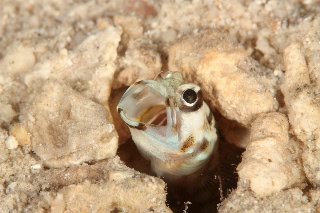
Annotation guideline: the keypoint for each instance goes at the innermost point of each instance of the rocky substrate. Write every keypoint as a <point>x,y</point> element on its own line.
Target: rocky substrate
<point>258,63</point>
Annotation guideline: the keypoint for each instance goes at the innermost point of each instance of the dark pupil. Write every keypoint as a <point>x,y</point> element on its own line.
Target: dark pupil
<point>190,96</point>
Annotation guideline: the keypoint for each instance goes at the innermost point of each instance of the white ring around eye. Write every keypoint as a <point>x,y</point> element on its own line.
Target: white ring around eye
<point>185,96</point>
<point>196,104</point>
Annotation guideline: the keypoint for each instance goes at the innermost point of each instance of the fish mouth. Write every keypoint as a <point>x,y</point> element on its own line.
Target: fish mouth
<point>154,115</point>
<point>146,103</point>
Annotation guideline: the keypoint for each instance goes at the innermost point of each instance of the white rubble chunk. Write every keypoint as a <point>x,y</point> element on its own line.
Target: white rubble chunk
<point>69,128</point>
<point>11,142</point>
<point>237,85</point>
<point>303,102</point>
<point>269,162</point>
<point>126,191</point>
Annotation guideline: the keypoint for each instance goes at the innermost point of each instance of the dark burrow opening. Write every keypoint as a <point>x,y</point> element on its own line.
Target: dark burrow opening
<point>214,186</point>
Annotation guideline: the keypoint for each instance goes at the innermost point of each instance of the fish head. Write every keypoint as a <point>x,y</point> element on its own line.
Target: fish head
<point>170,123</point>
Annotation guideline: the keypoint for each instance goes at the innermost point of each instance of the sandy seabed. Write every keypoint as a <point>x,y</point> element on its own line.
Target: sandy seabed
<point>63,62</point>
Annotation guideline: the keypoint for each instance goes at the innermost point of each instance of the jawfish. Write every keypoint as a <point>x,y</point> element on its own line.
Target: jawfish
<point>171,125</point>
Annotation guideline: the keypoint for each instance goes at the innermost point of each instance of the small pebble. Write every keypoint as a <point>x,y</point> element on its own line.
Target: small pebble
<point>36,166</point>
<point>11,142</point>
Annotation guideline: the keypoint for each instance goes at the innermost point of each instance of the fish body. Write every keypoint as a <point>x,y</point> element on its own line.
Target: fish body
<point>171,125</point>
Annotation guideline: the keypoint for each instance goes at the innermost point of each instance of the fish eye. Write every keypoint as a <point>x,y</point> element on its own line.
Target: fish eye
<point>190,96</point>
